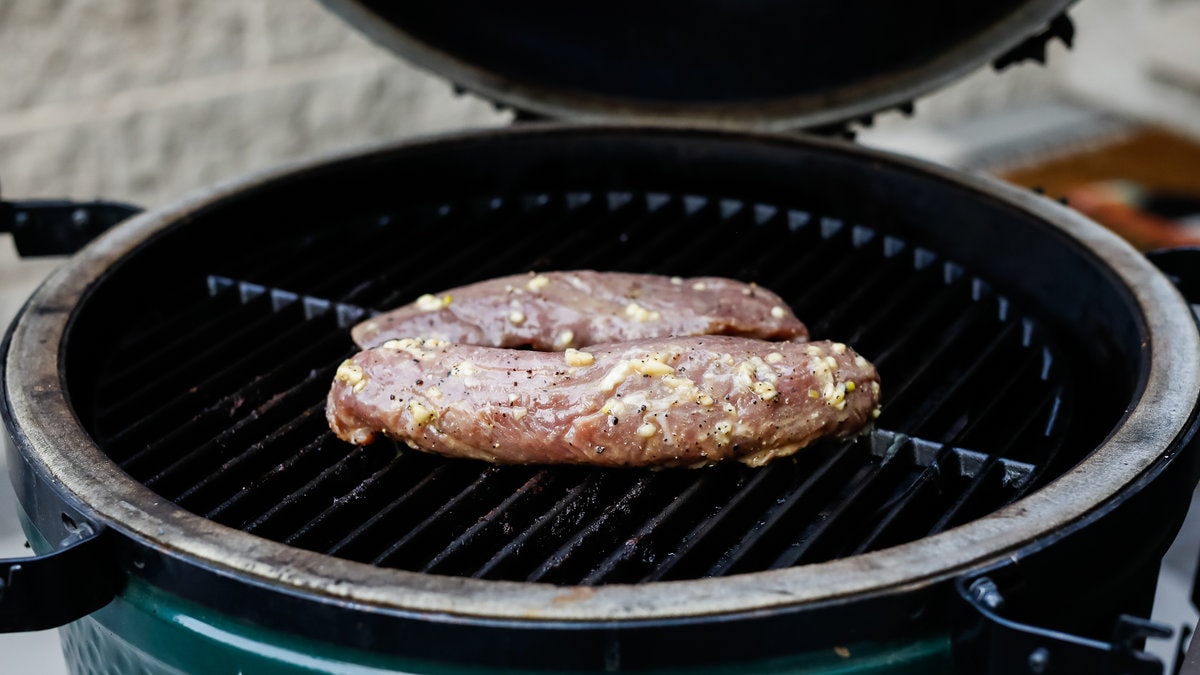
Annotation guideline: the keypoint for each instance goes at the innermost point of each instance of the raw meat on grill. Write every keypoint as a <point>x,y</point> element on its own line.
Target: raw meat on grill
<point>553,311</point>
<point>656,402</point>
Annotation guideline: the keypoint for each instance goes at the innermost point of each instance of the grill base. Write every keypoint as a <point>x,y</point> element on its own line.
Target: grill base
<point>245,398</point>
<point>135,634</point>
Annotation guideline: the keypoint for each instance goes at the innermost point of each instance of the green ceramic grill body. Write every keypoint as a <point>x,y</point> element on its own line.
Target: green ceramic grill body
<point>165,623</point>
<point>148,631</point>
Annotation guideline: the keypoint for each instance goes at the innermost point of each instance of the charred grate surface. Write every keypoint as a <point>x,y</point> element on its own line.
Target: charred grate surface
<point>216,401</point>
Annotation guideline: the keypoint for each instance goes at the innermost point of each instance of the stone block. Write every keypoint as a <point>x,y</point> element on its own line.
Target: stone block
<point>152,157</point>
<point>79,49</point>
<point>297,30</point>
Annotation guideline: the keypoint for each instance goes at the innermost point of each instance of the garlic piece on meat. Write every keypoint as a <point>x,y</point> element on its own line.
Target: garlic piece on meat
<point>640,314</point>
<point>431,303</point>
<point>652,367</point>
<point>352,375</point>
<point>421,415</point>
<point>574,357</point>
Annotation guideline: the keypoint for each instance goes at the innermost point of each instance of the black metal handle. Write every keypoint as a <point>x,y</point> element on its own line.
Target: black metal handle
<point>59,227</point>
<point>985,643</point>
<point>49,591</point>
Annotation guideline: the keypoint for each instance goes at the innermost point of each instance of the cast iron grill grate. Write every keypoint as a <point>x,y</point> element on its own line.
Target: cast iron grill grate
<point>217,401</point>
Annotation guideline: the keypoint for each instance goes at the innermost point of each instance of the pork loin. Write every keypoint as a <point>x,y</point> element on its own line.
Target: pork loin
<point>553,311</point>
<point>658,402</point>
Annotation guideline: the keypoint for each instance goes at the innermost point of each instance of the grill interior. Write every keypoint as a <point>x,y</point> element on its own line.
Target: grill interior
<point>208,386</point>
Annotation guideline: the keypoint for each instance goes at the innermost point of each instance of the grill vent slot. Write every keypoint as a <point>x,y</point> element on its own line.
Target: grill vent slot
<point>217,402</point>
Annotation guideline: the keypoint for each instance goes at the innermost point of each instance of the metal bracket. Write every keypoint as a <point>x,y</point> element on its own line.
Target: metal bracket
<point>986,643</point>
<point>59,227</point>
<point>1034,49</point>
<point>48,591</point>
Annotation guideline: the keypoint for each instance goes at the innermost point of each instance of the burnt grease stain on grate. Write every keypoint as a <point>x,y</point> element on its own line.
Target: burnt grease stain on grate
<point>218,403</point>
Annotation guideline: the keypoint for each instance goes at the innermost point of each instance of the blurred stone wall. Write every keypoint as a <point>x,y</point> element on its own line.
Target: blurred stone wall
<point>145,100</point>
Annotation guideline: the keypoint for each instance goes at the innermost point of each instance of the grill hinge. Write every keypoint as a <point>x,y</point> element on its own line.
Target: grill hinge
<point>48,591</point>
<point>986,643</point>
<point>59,227</point>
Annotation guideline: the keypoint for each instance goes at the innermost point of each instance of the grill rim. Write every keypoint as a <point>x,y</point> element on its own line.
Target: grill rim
<point>54,444</point>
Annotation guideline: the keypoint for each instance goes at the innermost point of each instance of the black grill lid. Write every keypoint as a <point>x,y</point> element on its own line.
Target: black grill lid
<point>766,64</point>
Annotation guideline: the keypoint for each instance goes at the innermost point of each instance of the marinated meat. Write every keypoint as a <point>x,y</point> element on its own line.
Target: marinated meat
<point>658,402</point>
<point>553,311</point>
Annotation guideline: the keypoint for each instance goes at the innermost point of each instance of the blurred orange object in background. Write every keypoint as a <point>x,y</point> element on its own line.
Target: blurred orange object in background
<point>1144,185</point>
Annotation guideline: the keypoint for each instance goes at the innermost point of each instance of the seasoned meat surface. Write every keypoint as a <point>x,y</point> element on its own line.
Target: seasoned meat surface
<point>656,402</point>
<point>553,311</point>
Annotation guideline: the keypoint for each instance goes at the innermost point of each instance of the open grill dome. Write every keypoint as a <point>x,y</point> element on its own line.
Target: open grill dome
<point>173,381</point>
<point>744,65</point>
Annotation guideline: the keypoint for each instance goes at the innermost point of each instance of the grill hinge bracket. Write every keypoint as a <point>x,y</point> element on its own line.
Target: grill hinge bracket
<point>986,643</point>
<point>51,590</point>
<point>59,227</point>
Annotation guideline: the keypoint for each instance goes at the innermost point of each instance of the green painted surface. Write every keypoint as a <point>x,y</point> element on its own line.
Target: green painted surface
<point>145,631</point>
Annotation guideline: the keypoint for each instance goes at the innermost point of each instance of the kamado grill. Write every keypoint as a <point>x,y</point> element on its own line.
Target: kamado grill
<point>191,511</point>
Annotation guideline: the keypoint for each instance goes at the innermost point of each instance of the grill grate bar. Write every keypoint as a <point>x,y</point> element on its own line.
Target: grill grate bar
<point>1054,409</point>
<point>488,482</point>
<point>327,527</point>
<point>905,389</point>
<point>372,247</point>
<point>597,528</point>
<point>580,209</point>
<point>146,384</point>
<point>936,307</point>
<point>871,326</point>
<point>577,224</point>
<point>635,545</point>
<point>813,539</point>
<point>249,376</point>
<point>786,264</point>
<point>974,499</point>
<point>692,547</point>
<point>390,275</point>
<point>867,289</point>
<point>984,478</point>
<point>990,415</point>
<point>830,288</point>
<point>265,399</point>
<point>489,521</point>
<point>508,557</point>
<point>159,346</point>
<point>948,334</point>
<point>394,284</point>
<point>289,263</point>
<point>240,507</point>
<point>927,405</point>
<point>919,497</point>
<point>358,543</point>
<point>708,215</point>
<point>808,491</point>
<point>256,458</point>
<point>334,472</point>
<point>646,226</point>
